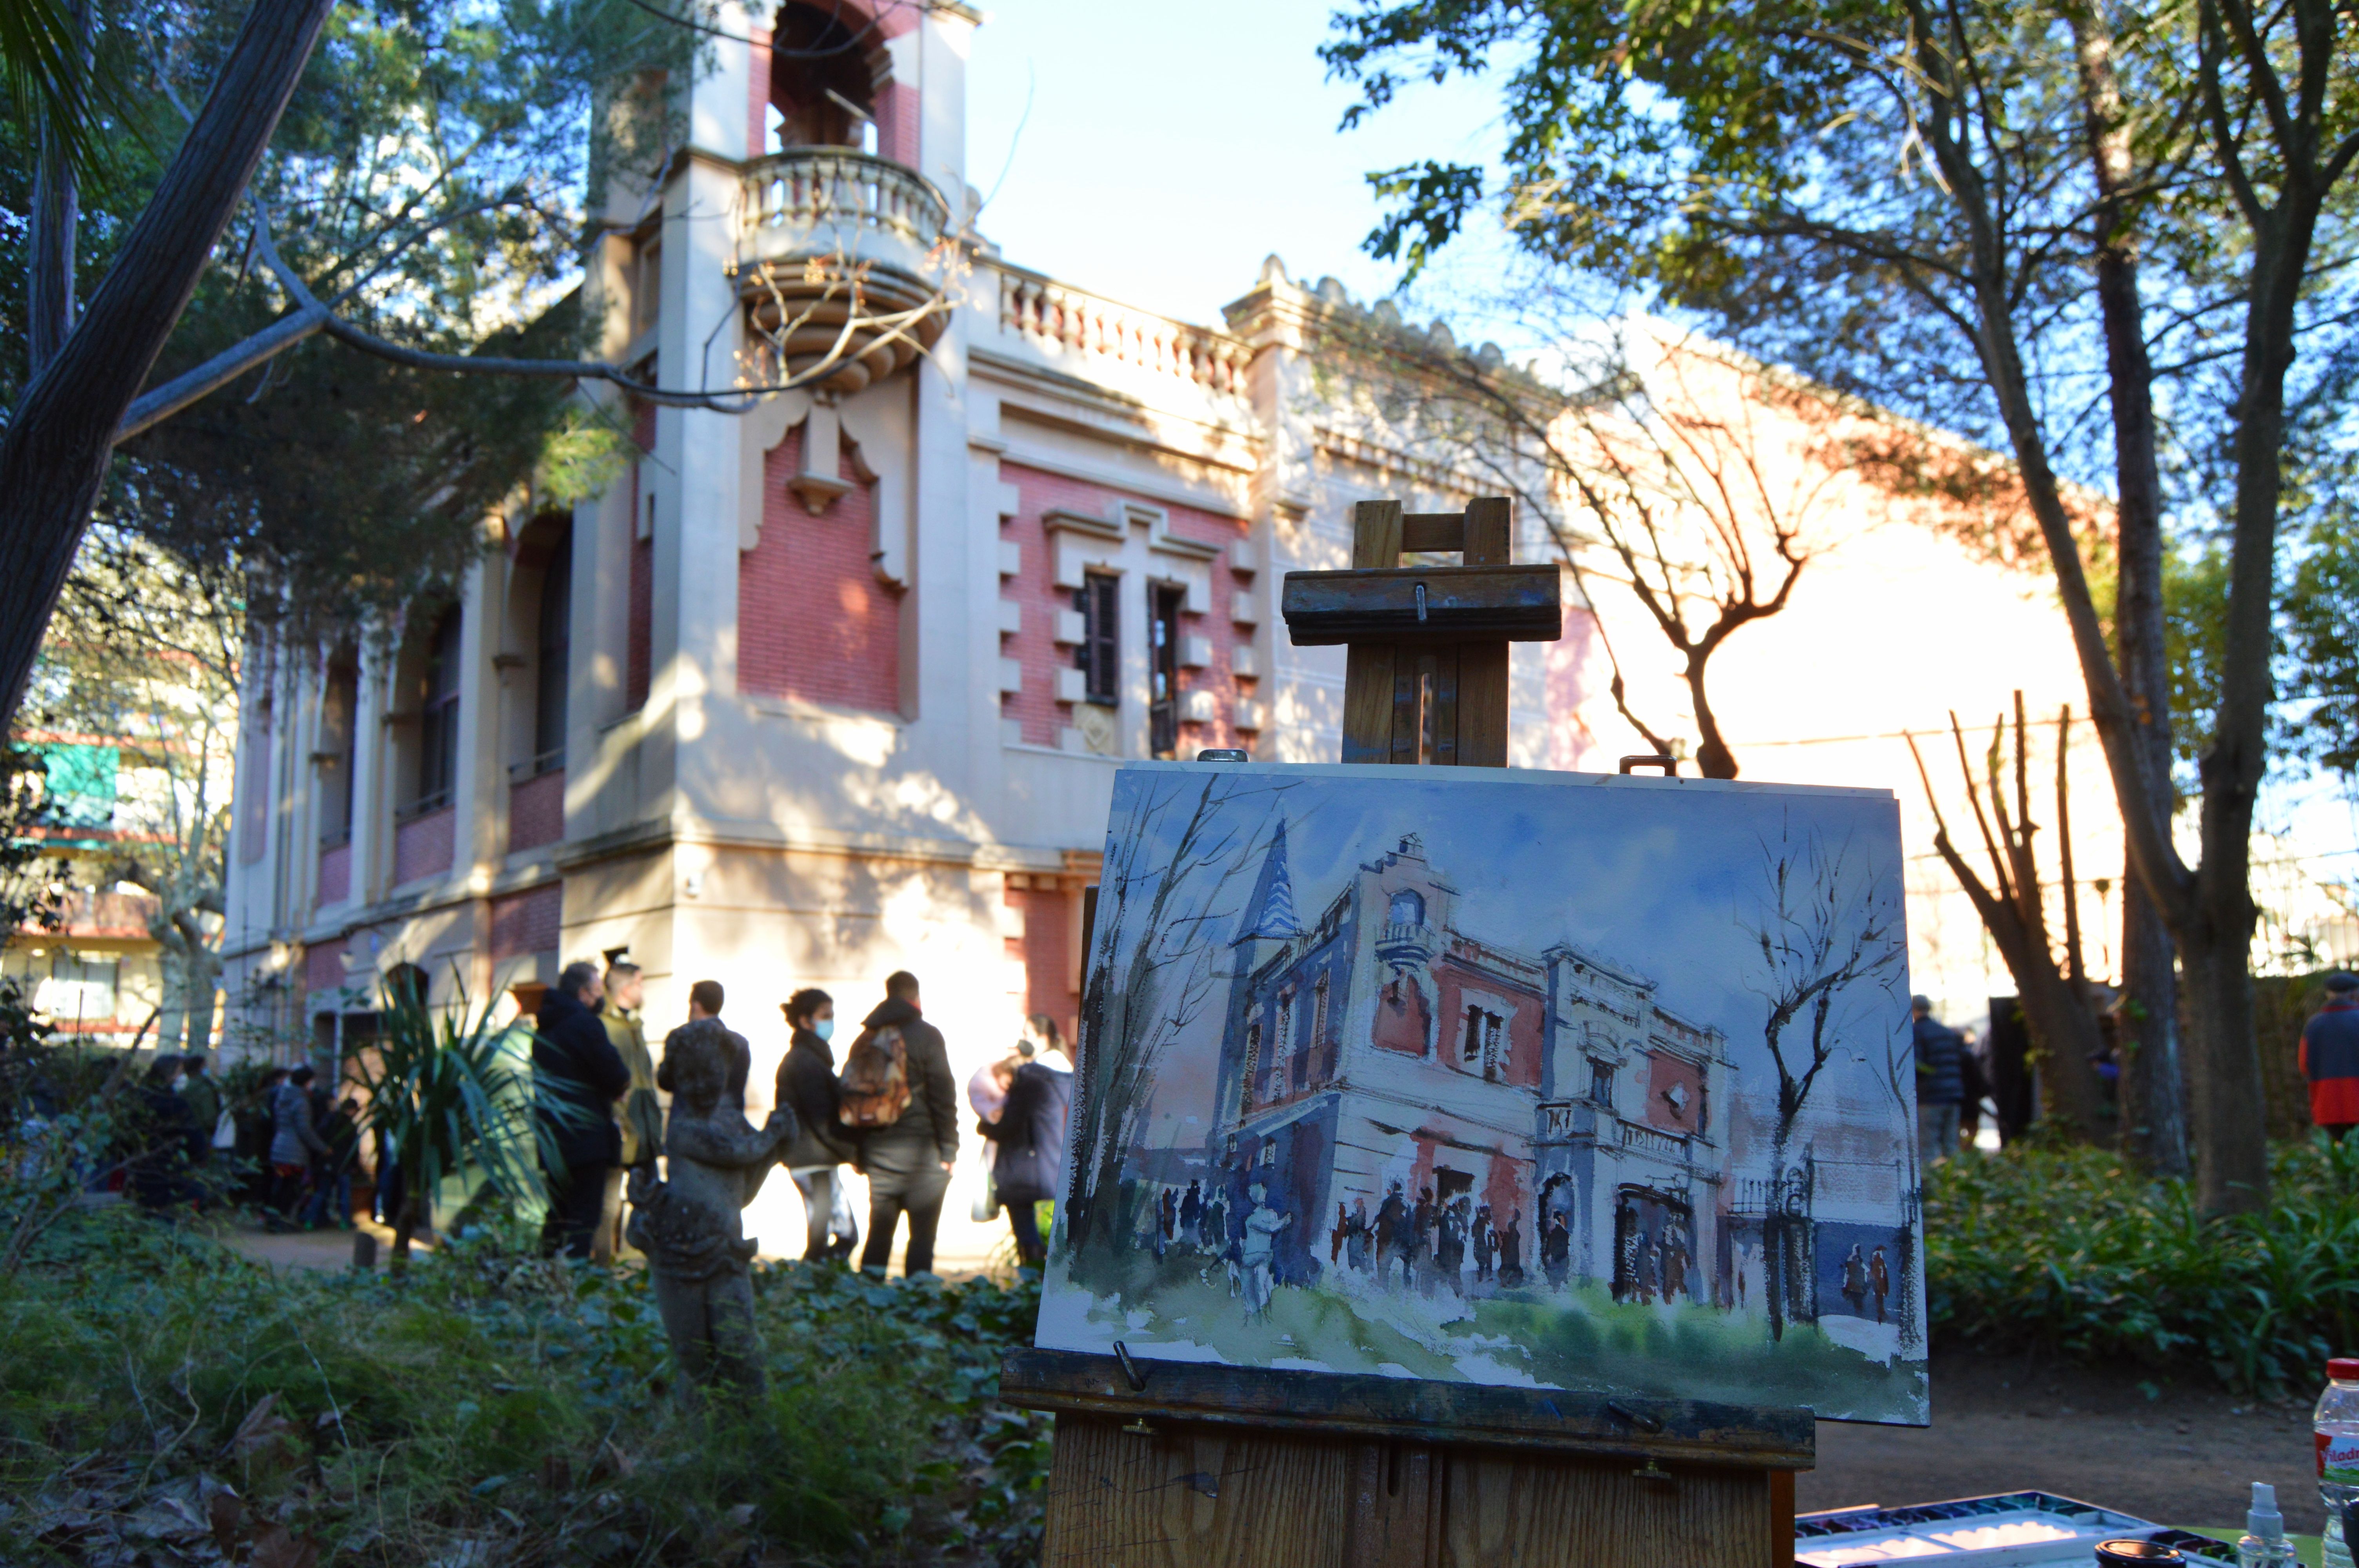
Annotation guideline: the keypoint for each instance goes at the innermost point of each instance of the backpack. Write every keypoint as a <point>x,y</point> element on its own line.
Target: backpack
<point>875,1079</point>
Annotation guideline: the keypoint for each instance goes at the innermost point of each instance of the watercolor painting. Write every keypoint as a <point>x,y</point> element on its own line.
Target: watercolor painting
<point>1537,1079</point>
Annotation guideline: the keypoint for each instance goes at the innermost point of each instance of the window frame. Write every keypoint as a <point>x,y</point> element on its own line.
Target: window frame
<point>1165,601</point>
<point>1099,656</point>
<point>440,686</point>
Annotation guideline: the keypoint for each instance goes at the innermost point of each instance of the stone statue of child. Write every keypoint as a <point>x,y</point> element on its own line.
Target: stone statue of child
<point>689,1223</point>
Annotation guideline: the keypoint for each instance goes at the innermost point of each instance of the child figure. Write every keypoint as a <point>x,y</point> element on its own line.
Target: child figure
<point>689,1225</point>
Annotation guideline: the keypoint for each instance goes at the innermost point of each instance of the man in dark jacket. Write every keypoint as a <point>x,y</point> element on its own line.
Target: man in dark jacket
<point>704,999</point>
<point>806,1085</point>
<point>2329,1057</point>
<point>909,1163</point>
<point>576,1066</point>
<point>1941,1082</point>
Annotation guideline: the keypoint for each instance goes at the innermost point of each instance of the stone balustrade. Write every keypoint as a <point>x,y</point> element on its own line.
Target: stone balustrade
<point>796,201</point>
<point>1051,313</point>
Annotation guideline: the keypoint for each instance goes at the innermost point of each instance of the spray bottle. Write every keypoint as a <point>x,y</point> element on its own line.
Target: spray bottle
<point>2264,1542</point>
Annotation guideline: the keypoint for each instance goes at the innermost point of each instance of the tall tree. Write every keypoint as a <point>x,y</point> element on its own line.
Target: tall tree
<point>1911,201</point>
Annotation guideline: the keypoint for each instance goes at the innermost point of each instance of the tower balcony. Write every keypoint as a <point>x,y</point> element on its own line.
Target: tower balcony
<point>842,260</point>
<point>1407,943</point>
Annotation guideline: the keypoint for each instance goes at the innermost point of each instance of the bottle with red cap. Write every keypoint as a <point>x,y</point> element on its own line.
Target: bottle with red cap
<point>2336,1424</point>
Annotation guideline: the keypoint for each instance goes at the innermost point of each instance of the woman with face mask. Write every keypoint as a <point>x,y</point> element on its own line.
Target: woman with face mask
<point>806,1083</point>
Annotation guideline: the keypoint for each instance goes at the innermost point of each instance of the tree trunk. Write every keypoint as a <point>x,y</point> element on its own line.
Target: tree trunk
<point>53,456</point>
<point>2154,1102</point>
<point>57,215</point>
<point>2223,1075</point>
<point>2064,1036</point>
<point>405,1225</point>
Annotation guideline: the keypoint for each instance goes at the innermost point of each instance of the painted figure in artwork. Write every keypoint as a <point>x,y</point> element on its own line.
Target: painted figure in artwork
<point>1262,1227</point>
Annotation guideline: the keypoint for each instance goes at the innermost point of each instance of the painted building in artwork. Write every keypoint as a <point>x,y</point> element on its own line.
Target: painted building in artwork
<point>1384,1049</point>
<point>836,685</point>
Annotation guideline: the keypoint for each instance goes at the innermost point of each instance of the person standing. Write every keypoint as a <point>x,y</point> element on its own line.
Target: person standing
<point>1486,1245</point>
<point>332,1200</point>
<point>204,1100</point>
<point>294,1144</point>
<point>1556,1250</point>
<point>580,1071</point>
<point>1029,1168</point>
<point>1941,1082</point>
<point>1879,1279</point>
<point>2329,1057</point>
<point>807,1085</point>
<point>642,1116</point>
<point>909,1161</point>
<point>704,999</point>
<point>1854,1281</point>
<point>163,1144</point>
<point>1392,1237</point>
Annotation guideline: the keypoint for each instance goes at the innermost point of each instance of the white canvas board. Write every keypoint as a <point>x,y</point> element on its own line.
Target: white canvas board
<point>1500,1076</point>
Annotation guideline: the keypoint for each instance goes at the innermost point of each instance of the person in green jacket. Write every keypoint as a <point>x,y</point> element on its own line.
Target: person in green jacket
<point>642,1117</point>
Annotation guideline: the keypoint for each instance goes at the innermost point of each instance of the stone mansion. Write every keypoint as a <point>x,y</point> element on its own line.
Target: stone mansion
<point>837,685</point>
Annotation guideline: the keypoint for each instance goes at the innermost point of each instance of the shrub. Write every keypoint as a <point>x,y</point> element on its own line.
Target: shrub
<point>489,1407</point>
<point>2071,1248</point>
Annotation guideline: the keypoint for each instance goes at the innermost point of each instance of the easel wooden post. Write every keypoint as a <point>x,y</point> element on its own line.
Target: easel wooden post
<point>1163,1464</point>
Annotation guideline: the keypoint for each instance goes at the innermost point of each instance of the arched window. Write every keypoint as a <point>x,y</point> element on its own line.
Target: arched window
<point>820,81</point>
<point>1408,909</point>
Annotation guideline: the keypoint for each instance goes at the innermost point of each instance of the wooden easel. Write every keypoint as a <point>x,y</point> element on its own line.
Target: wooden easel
<point>1166,1462</point>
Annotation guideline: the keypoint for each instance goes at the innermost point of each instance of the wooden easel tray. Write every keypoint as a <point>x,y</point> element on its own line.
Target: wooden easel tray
<point>1335,1405</point>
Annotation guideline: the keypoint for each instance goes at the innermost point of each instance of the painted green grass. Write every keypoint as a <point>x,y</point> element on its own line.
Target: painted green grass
<point>1575,1339</point>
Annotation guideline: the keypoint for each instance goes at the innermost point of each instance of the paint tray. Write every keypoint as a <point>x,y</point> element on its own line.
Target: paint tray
<point>2014,1530</point>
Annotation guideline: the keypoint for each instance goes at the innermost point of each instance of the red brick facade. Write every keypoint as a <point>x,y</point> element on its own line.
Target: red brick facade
<point>524,924</point>
<point>421,847</point>
<point>814,620</point>
<point>324,966</point>
<point>336,873</point>
<point>1047,951</point>
<point>1036,708</point>
<point>536,811</point>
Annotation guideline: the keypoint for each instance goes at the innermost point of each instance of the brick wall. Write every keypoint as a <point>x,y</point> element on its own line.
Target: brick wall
<point>813,621</point>
<point>1047,951</point>
<point>421,845</point>
<point>526,923</point>
<point>1036,708</point>
<point>335,874</point>
<point>896,124</point>
<point>324,966</point>
<point>536,811</point>
<point>757,93</point>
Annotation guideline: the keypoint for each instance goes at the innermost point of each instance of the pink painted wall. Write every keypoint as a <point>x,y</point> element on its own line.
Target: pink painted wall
<point>814,620</point>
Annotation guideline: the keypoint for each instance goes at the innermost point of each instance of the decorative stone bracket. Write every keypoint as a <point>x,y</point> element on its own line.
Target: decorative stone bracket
<point>829,427</point>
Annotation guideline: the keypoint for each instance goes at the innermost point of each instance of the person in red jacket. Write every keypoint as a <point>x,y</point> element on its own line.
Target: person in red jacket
<point>2329,1057</point>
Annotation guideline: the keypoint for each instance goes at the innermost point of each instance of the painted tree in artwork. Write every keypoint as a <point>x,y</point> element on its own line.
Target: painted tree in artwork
<point>1831,953</point>
<point>1180,859</point>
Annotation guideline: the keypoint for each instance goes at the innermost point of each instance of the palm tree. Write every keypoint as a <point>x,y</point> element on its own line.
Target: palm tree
<point>450,1095</point>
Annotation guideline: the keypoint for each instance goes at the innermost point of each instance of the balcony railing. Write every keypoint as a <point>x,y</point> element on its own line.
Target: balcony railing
<point>1406,943</point>
<point>1051,313</point>
<point>1647,1140</point>
<point>795,199</point>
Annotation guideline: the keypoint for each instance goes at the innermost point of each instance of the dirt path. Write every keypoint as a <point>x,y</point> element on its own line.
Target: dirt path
<point>2002,1423</point>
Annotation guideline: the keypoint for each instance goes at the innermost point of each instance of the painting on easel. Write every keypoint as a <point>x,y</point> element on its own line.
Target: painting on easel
<point>1538,1079</point>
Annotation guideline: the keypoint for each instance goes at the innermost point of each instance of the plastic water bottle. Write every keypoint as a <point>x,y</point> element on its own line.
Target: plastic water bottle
<point>2337,1426</point>
<point>2264,1542</point>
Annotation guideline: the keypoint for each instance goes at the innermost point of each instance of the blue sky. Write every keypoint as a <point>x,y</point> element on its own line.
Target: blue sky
<point>1167,151</point>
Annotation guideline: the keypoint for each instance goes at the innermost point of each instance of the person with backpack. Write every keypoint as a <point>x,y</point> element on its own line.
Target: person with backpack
<point>295,1142</point>
<point>897,1094</point>
<point>807,1085</point>
<point>1030,1132</point>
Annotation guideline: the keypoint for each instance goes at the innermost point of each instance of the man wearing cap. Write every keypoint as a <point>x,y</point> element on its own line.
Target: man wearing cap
<point>642,1118</point>
<point>2329,1057</point>
<point>1940,1081</point>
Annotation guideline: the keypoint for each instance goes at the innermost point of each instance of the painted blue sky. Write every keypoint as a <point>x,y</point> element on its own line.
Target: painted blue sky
<point>1653,875</point>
